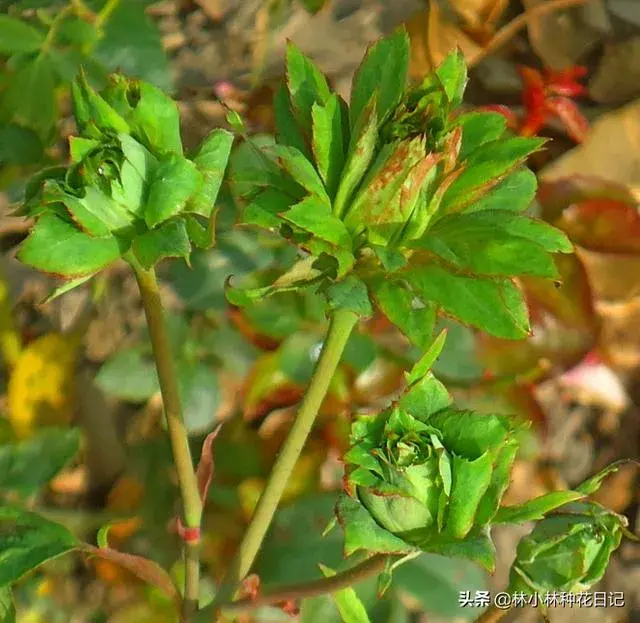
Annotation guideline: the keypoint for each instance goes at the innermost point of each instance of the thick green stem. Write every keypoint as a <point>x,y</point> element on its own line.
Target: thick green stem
<point>191,503</point>
<point>340,329</point>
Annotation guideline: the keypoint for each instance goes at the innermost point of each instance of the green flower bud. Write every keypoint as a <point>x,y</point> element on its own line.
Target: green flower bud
<point>568,551</point>
<point>440,477</point>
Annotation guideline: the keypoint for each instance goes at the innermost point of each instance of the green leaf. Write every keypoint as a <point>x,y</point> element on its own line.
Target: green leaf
<point>361,531</point>
<point>28,540</point>
<point>201,396</point>
<point>425,397</point>
<point>484,167</point>
<point>131,43</point>
<point>287,129</point>
<point>128,375</point>
<point>7,609</point>
<point>361,152</point>
<point>591,485</point>
<point>328,142</point>
<point>306,85</point>
<point>211,160</point>
<point>96,213</point>
<point>56,246</point>
<point>155,120</point>
<point>479,128</point>
<point>350,294</point>
<point>351,608</point>
<point>91,110</point>
<point>168,240</point>
<point>19,146</point>
<point>495,306</point>
<point>452,73</point>
<point>436,582</point>
<point>313,6</point>
<point>173,183</point>
<point>494,242</point>
<point>264,208</point>
<point>397,303</point>
<point>19,99</point>
<point>515,192</point>
<point>201,236</point>
<point>536,509</point>
<point>27,465</point>
<point>301,170</point>
<point>428,359</point>
<point>18,36</point>
<point>315,216</point>
<point>66,287</point>
<point>476,546</point>
<point>384,71</point>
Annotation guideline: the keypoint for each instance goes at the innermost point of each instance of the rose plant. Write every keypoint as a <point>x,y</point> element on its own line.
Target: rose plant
<point>398,200</point>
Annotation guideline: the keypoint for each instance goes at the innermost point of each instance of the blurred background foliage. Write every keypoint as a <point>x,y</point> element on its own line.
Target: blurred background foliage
<point>81,435</point>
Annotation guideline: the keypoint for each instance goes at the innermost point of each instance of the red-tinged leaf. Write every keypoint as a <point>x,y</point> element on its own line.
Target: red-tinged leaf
<point>147,570</point>
<point>564,325</point>
<point>204,471</point>
<point>603,225</point>
<point>250,587</point>
<point>240,321</point>
<point>574,122</point>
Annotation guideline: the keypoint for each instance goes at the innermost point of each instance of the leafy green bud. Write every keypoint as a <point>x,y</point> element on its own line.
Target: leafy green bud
<point>568,551</point>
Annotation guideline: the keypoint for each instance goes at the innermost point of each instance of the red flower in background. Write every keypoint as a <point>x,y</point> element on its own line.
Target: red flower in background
<point>548,94</point>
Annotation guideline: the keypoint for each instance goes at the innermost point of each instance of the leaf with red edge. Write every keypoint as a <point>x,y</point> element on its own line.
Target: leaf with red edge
<point>147,570</point>
<point>204,471</point>
<point>564,325</point>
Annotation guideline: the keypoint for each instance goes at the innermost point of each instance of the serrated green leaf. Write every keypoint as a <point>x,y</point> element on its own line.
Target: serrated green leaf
<point>479,128</point>
<point>27,541</point>
<point>301,170</point>
<point>56,246</point>
<point>351,609</point>
<point>27,465</point>
<point>92,111</point>
<point>97,214</point>
<point>484,167</point>
<point>168,240</point>
<point>350,294</point>
<point>477,546</point>
<point>155,120</point>
<point>199,235</point>
<point>361,531</point>
<point>426,362</point>
<point>493,242</point>
<point>211,160</point>
<point>536,509</point>
<point>397,303</point>
<point>361,152</point>
<point>314,216</point>
<point>515,193</point>
<point>496,306</point>
<point>328,142</point>
<point>452,73</point>
<point>287,129</point>
<point>500,480</point>
<point>384,71</point>
<point>306,85</point>
<point>18,36</point>
<point>7,609</point>
<point>128,375</point>
<point>173,183</point>
<point>425,397</point>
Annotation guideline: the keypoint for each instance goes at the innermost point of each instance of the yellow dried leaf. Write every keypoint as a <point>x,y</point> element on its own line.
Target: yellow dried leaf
<point>41,389</point>
<point>478,13</point>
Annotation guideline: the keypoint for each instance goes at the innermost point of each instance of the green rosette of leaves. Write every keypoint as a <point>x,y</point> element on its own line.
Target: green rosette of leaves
<point>568,551</point>
<point>423,475</point>
<point>129,190</point>
<point>398,200</point>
